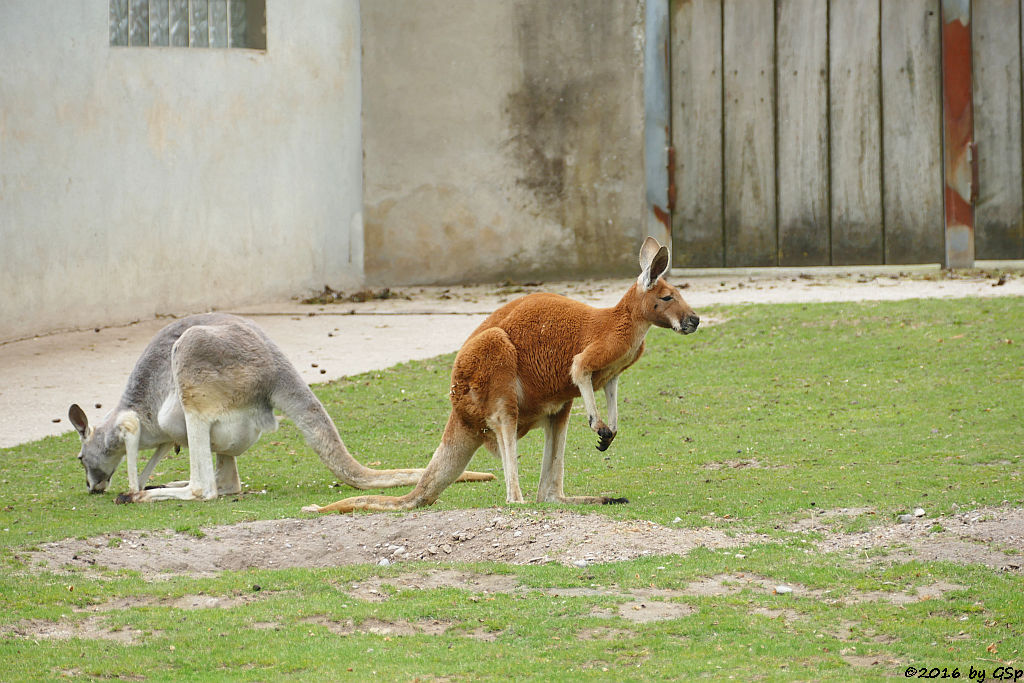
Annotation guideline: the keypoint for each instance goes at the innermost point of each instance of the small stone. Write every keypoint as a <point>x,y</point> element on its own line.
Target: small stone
<point>905,519</point>
<point>383,562</point>
<point>447,548</point>
<point>919,512</point>
<point>782,590</point>
<point>677,520</point>
<point>581,563</point>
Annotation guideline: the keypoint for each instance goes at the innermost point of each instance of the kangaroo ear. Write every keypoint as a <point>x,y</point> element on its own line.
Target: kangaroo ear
<point>654,262</point>
<point>79,420</point>
<point>647,252</point>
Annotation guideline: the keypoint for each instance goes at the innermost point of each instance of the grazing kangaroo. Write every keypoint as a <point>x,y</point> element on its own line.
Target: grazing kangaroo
<point>524,366</point>
<point>212,382</point>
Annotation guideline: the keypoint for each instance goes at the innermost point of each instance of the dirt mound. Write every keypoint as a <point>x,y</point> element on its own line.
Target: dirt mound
<point>516,537</point>
<point>989,536</point>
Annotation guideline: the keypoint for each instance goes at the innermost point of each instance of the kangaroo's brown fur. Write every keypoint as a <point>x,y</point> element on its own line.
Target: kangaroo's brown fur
<point>523,367</point>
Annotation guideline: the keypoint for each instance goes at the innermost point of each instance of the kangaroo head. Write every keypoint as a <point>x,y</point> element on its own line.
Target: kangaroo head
<point>102,450</point>
<point>661,303</point>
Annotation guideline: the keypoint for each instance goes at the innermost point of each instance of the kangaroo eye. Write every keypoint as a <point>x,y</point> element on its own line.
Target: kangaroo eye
<point>667,298</point>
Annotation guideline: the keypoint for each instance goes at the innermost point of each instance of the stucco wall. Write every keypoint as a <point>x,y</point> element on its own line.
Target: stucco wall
<point>142,181</point>
<point>502,139</point>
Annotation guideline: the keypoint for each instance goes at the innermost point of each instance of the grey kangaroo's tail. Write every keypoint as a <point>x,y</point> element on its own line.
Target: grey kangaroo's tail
<point>305,410</point>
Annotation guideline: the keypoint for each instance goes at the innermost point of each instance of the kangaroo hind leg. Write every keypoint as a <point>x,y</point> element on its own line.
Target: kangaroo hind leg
<point>488,365</point>
<point>552,468</point>
<point>202,483</point>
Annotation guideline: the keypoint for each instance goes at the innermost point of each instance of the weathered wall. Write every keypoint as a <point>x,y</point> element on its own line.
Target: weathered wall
<point>810,132</point>
<point>502,139</point>
<point>141,181</point>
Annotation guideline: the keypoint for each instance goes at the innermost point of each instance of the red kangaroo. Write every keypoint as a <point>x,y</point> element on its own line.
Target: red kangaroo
<point>524,366</point>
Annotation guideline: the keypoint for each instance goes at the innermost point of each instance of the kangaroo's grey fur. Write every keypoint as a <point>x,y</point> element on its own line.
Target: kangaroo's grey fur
<point>212,382</point>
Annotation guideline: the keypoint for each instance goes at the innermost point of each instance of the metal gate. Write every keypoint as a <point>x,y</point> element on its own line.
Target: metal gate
<point>810,132</point>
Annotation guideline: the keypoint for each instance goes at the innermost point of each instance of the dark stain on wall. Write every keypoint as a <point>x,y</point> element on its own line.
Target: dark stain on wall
<point>575,125</point>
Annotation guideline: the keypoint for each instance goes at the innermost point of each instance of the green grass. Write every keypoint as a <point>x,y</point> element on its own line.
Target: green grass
<point>759,420</point>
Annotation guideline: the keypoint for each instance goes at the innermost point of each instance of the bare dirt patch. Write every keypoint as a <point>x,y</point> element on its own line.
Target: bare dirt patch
<point>480,535</point>
<point>93,627</point>
<point>991,536</point>
<point>382,628</point>
<point>187,602</point>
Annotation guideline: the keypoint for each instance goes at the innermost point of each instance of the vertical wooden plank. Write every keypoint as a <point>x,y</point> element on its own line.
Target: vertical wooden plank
<point>218,23</point>
<point>802,31</point>
<point>855,122</point>
<point>199,25</point>
<point>138,23</point>
<point>159,23</point>
<point>696,64</point>
<point>237,23</point>
<point>178,23</point>
<point>748,62</point>
<point>912,121</point>
<point>999,212</point>
<point>119,22</point>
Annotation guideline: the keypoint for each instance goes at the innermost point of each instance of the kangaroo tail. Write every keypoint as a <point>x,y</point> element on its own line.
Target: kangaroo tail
<point>309,415</point>
<point>446,466</point>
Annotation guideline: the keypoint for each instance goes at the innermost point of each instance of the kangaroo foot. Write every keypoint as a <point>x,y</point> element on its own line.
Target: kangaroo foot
<point>584,500</point>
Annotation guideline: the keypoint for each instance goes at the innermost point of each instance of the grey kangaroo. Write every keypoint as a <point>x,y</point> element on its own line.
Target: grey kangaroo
<point>212,382</point>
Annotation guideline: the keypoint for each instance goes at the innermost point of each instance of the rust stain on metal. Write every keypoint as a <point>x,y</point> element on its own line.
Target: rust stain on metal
<point>959,153</point>
<point>671,178</point>
<point>663,216</point>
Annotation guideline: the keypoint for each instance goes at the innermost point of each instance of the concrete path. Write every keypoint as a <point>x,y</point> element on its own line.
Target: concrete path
<point>42,376</point>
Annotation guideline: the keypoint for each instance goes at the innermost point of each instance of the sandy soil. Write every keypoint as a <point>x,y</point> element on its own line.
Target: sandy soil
<point>990,536</point>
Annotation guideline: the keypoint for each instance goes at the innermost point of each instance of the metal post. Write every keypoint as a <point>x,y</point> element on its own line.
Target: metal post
<point>658,161</point>
<point>960,163</point>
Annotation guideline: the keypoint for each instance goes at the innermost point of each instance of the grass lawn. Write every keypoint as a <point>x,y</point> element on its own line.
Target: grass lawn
<point>763,418</point>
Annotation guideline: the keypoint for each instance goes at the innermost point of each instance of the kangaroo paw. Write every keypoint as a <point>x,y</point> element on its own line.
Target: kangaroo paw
<point>605,438</point>
<point>124,498</point>
<point>615,501</point>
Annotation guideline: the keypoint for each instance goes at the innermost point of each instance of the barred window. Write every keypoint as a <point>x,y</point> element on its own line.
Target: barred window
<point>189,23</point>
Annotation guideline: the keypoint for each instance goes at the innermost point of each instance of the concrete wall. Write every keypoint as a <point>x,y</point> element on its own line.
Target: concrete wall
<point>142,181</point>
<point>502,139</point>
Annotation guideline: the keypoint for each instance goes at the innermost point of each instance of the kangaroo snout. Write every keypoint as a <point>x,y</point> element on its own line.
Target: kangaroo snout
<point>689,324</point>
